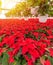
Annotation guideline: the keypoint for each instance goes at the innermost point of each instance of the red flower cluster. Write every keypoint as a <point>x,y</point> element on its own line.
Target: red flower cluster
<point>33,38</point>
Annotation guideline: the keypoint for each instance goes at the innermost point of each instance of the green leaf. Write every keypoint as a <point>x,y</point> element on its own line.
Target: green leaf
<point>42,31</point>
<point>0,39</point>
<point>18,55</point>
<point>44,57</point>
<point>30,35</point>
<point>23,62</point>
<point>51,59</point>
<point>5,59</point>
<point>37,62</point>
<point>0,59</point>
<point>19,60</point>
<point>15,63</point>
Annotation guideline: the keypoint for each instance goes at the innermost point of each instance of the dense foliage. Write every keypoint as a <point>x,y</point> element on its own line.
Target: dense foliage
<point>24,8</point>
<point>26,42</point>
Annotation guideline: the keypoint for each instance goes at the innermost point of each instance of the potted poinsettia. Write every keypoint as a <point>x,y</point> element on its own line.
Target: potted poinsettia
<point>43,11</point>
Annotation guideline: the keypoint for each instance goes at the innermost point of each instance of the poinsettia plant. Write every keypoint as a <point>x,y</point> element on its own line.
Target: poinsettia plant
<point>26,42</point>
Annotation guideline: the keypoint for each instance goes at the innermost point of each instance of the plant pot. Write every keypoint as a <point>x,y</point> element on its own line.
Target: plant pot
<point>43,19</point>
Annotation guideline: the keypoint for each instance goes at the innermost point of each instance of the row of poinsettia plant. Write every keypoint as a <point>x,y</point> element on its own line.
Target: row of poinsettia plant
<point>26,42</point>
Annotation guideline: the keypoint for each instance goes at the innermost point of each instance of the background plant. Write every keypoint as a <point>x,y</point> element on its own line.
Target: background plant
<point>24,8</point>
